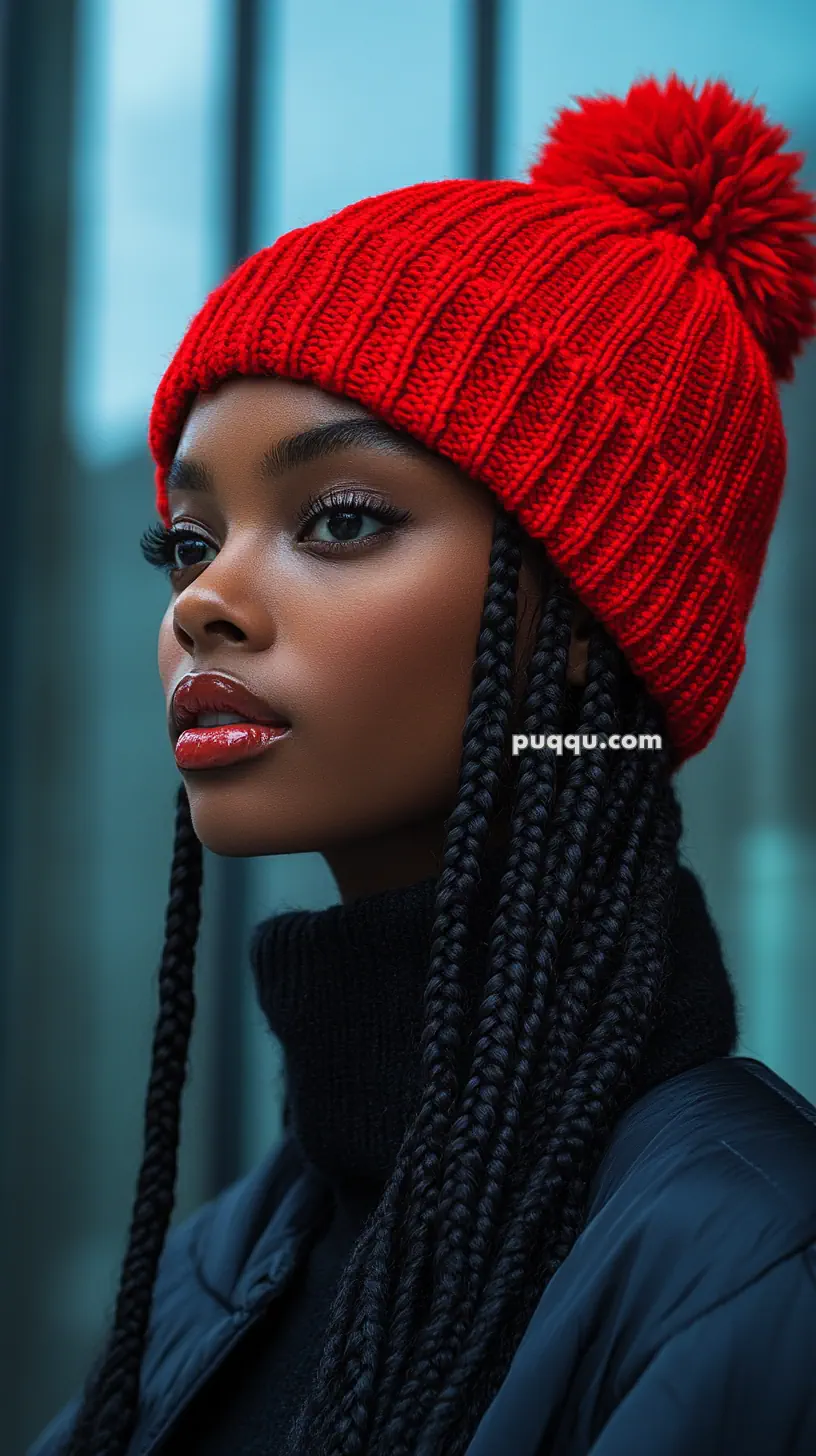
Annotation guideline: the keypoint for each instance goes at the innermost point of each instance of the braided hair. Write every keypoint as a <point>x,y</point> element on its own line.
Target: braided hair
<point>490,1186</point>
<point>110,1402</point>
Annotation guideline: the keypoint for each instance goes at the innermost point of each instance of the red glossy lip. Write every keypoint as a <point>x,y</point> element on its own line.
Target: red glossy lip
<point>214,692</point>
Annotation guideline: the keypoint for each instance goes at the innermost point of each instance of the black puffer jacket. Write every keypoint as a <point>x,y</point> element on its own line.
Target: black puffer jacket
<point>682,1323</point>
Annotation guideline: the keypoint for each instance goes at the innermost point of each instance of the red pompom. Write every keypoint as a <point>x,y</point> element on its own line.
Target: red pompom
<point>710,167</point>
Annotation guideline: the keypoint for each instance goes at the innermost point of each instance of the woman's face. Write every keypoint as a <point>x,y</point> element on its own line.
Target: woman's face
<point>359,631</point>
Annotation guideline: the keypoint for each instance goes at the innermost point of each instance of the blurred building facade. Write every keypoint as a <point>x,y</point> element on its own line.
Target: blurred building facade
<point>146,147</point>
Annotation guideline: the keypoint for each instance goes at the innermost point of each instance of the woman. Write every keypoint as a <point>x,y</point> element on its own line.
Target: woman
<point>527,1201</point>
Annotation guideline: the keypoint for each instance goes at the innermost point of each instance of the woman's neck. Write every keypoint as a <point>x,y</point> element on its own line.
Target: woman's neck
<point>343,989</point>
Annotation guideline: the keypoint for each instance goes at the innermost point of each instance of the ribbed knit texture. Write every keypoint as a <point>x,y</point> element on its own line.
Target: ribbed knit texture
<point>604,386</point>
<point>342,988</point>
<point>588,358</point>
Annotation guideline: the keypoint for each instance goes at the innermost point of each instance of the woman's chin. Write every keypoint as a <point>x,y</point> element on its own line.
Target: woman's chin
<point>239,829</point>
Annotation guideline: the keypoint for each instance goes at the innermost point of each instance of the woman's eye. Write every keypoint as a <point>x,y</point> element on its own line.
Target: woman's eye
<point>341,524</point>
<point>185,548</point>
<point>174,549</point>
<point>346,519</point>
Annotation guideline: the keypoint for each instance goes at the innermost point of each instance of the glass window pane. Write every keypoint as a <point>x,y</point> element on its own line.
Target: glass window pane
<point>149,218</point>
<point>362,97</point>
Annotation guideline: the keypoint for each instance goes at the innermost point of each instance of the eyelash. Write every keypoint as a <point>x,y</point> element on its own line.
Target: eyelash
<point>159,542</point>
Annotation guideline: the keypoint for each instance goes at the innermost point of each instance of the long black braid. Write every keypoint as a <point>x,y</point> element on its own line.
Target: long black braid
<point>490,1186</point>
<point>111,1396</point>
<point>489,1189</point>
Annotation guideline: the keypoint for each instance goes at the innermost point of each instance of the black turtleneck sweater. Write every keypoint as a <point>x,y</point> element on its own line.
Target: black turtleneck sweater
<point>342,989</point>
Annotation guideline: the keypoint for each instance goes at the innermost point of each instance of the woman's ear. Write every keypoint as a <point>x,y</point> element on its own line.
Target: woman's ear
<point>582,624</point>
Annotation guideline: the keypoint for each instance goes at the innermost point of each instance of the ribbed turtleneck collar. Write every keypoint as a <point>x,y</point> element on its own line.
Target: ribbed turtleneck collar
<point>343,990</point>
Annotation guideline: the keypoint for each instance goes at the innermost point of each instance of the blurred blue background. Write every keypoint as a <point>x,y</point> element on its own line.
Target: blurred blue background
<point>146,147</point>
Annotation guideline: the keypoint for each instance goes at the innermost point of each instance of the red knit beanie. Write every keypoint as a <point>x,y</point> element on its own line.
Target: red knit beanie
<point>599,345</point>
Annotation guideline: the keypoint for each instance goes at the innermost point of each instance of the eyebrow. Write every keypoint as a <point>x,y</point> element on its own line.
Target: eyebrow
<point>312,444</point>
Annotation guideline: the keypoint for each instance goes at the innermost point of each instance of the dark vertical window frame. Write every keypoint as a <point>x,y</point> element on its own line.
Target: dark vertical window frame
<point>486,21</point>
<point>37,86</point>
<point>227,874</point>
